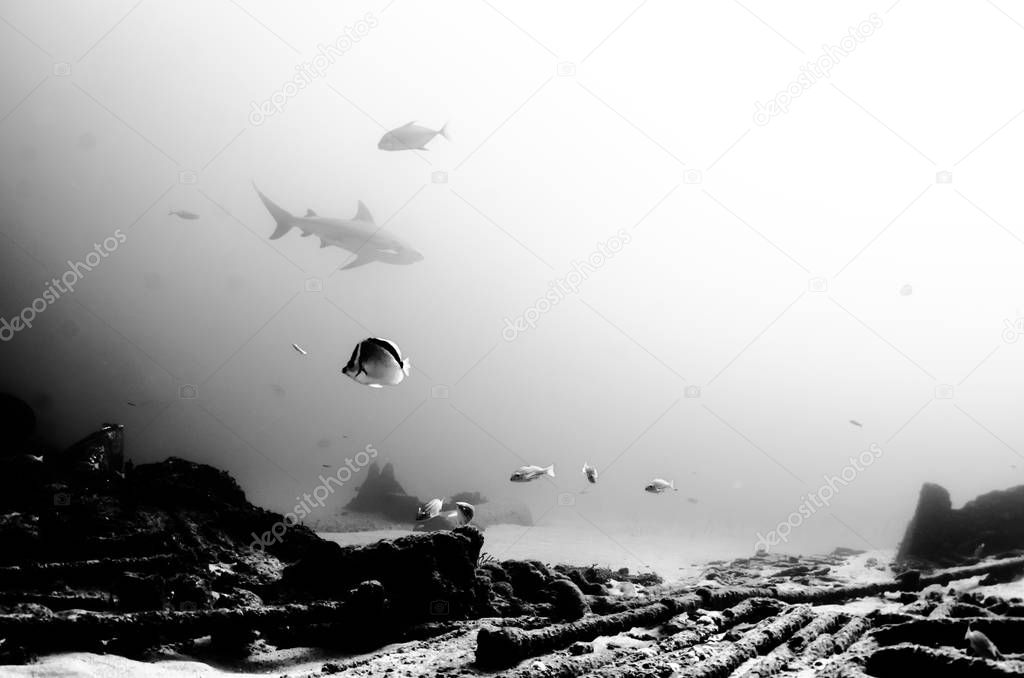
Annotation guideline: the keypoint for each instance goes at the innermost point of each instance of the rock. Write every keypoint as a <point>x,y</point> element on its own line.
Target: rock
<point>939,534</point>
<point>381,493</point>
<point>423,576</point>
<point>17,425</point>
<point>569,602</point>
<point>101,452</point>
<point>580,647</point>
<point>239,598</point>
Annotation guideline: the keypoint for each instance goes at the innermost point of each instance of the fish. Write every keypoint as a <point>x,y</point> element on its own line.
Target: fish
<point>978,551</point>
<point>982,646</point>
<point>856,423</point>
<point>466,510</point>
<point>359,235</point>
<point>692,500</point>
<point>428,510</point>
<point>300,349</point>
<point>525,474</point>
<point>590,472</point>
<point>657,486</point>
<point>377,363</point>
<point>410,137</point>
<point>183,214</point>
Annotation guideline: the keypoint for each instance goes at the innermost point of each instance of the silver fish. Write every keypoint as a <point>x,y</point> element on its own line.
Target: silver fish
<point>429,510</point>
<point>300,349</point>
<point>590,472</point>
<point>658,485</point>
<point>466,510</point>
<point>410,137</point>
<point>377,363</point>
<point>183,214</point>
<point>525,474</point>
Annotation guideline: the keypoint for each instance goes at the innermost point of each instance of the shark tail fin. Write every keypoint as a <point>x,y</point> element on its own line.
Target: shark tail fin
<point>281,215</point>
<point>444,131</point>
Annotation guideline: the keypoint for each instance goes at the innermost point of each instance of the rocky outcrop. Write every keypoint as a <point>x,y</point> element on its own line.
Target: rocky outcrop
<point>381,494</point>
<point>942,535</point>
<point>17,425</point>
<point>169,551</point>
<point>429,576</point>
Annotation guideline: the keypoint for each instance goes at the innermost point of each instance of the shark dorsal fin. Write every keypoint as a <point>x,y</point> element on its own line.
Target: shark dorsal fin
<point>311,213</point>
<point>363,213</point>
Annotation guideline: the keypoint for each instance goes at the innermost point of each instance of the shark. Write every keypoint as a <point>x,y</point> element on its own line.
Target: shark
<point>360,235</point>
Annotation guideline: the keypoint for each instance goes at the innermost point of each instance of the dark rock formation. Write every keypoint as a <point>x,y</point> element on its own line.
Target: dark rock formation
<point>381,493</point>
<point>17,425</point>
<point>424,576</point>
<point>939,534</point>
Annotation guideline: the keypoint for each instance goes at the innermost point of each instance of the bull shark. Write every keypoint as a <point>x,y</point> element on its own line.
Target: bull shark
<point>360,235</point>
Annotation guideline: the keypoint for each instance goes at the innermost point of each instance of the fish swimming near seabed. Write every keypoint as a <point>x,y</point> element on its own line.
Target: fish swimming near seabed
<point>466,510</point>
<point>447,520</point>
<point>525,474</point>
<point>359,235</point>
<point>183,214</point>
<point>590,472</point>
<point>658,485</point>
<point>428,510</point>
<point>377,363</point>
<point>410,137</point>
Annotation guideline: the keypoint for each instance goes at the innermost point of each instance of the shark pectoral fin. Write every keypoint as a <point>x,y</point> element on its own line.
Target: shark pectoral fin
<point>363,214</point>
<point>359,260</point>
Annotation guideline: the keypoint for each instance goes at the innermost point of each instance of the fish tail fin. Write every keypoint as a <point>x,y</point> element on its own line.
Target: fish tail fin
<point>673,486</point>
<point>550,470</point>
<point>444,131</point>
<point>406,365</point>
<point>281,215</point>
<point>584,469</point>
